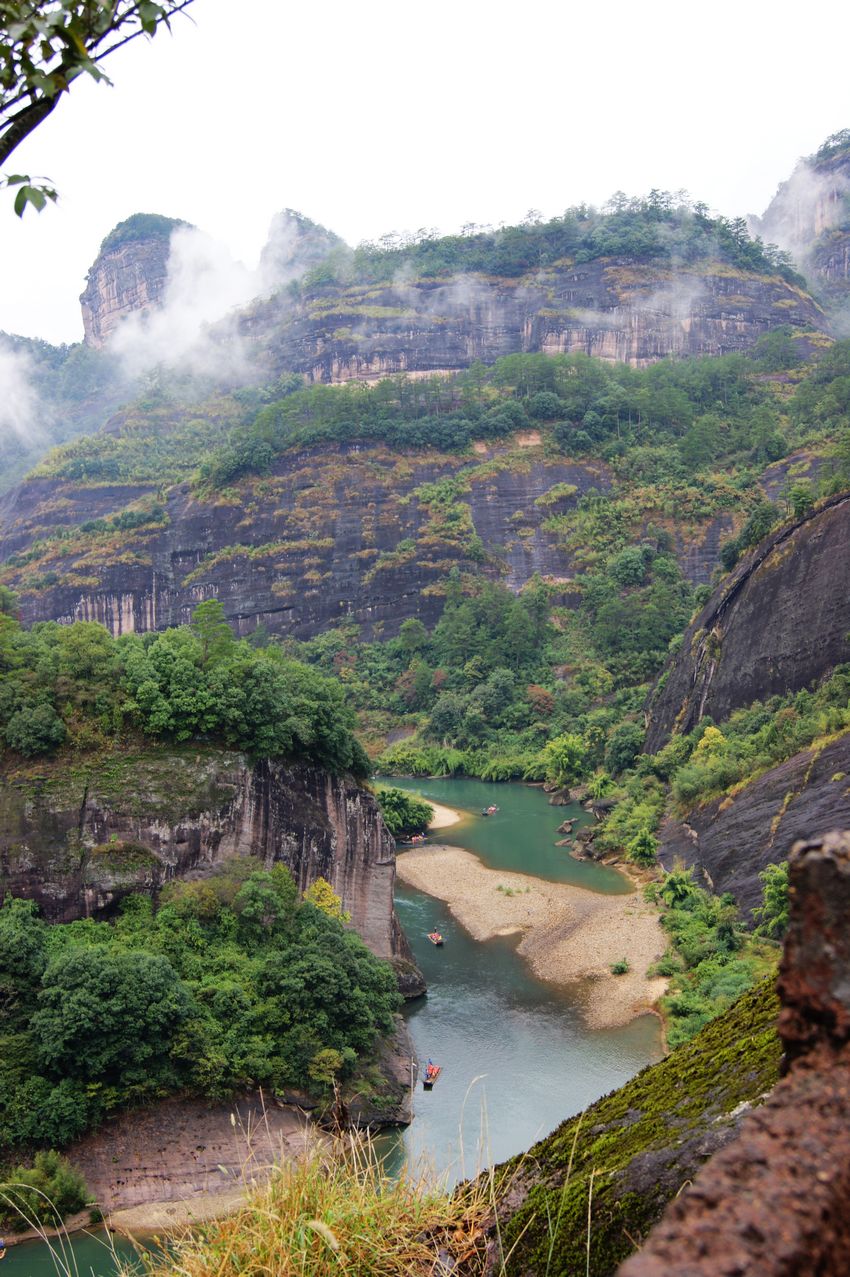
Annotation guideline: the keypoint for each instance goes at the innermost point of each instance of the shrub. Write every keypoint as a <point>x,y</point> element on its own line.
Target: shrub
<point>643,848</point>
<point>47,1192</point>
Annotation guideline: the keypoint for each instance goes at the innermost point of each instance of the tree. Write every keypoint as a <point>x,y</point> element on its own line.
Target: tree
<point>47,44</point>
<point>565,759</point>
<point>624,745</point>
<point>210,627</point>
<point>772,914</point>
<point>110,1017</point>
<point>404,813</point>
<point>801,498</point>
<point>322,895</point>
<point>643,848</point>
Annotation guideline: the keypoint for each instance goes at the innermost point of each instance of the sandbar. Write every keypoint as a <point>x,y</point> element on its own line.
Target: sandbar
<point>568,935</point>
<point>443,816</point>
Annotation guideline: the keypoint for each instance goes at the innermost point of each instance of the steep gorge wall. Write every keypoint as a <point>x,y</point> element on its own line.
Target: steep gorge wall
<point>809,216</point>
<point>334,535</point>
<point>778,622</point>
<point>77,839</point>
<point>730,840</point>
<point>615,309</point>
<point>127,279</point>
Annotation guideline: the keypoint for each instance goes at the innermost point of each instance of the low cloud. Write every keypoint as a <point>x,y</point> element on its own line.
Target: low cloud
<point>22,414</point>
<point>192,331</point>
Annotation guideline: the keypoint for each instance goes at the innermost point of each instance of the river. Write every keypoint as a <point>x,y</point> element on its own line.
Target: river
<point>516,1056</point>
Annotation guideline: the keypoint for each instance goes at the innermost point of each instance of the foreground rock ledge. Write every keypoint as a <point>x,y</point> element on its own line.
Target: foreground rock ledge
<point>776,1201</point>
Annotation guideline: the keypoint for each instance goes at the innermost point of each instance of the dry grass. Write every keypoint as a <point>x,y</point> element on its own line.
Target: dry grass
<point>337,1210</point>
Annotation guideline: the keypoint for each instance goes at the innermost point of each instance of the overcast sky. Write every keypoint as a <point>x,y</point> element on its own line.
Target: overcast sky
<point>384,116</point>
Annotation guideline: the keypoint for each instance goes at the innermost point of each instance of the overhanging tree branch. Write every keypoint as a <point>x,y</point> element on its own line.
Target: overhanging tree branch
<point>45,46</point>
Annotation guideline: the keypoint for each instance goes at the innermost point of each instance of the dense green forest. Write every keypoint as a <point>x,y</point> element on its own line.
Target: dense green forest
<point>76,686</point>
<point>232,982</point>
<point>662,226</point>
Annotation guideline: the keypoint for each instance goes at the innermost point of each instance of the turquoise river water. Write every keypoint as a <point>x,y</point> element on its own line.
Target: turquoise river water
<point>517,1058</point>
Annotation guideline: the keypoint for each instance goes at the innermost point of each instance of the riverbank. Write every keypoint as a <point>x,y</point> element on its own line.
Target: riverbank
<point>443,816</point>
<point>569,936</point>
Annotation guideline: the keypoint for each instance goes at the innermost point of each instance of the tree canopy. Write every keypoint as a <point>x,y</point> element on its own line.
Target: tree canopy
<point>47,44</point>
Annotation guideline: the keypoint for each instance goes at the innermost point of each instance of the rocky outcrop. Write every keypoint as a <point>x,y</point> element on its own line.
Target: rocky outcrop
<point>77,839</point>
<point>808,217</point>
<point>776,1201</point>
<point>335,535</point>
<point>128,275</point>
<point>615,309</point>
<point>730,840</point>
<point>295,244</point>
<point>777,623</point>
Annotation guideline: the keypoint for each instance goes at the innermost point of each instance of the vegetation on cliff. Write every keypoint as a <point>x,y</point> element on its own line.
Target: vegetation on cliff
<point>660,227</point>
<point>589,1193</point>
<point>233,982</point>
<point>338,1211</point>
<point>75,685</point>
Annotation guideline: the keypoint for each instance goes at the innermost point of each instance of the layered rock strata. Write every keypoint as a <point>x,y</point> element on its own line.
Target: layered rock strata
<point>776,624</point>
<point>335,535</point>
<point>128,276</point>
<point>616,309</point>
<point>77,840</point>
<point>730,840</point>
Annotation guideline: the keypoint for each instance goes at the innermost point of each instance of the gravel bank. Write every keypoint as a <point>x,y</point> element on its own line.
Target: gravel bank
<point>569,935</point>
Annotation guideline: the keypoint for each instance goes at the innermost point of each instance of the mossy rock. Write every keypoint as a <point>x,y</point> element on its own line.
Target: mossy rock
<point>636,1147</point>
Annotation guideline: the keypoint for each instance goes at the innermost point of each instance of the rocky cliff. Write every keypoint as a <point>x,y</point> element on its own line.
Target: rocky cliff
<point>613,308</point>
<point>730,840</point>
<point>77,839</point>
<point>809,216</point>
<point>585,1197</point>
<point>128,275</point>
<point>778,622</point>
<point>335,534</point>
<point>774,1201</point>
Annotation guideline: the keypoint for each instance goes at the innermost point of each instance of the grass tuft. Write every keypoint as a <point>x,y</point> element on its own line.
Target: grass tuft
<point>338,1210</point>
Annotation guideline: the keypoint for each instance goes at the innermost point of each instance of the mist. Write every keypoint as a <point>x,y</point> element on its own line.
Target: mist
<point>192,331</point>
<point>23,416</point>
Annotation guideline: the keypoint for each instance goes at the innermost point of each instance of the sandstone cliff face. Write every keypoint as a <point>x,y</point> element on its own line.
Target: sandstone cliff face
<point>128,275</point>
<point>729,841</point>
<point>809,217</point>
<point>77,840</point>
<point>777,623</point>
<point>334,535</point>
<point>614,309</point>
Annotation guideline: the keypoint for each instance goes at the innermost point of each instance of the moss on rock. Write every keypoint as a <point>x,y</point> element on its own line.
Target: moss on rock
<point>635,1148</point>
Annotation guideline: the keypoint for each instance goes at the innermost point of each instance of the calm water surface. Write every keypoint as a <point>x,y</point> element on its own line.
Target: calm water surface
<point>517,1058</point>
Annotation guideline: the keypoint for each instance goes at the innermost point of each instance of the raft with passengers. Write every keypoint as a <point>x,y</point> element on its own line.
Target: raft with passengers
<point>429,1077</point>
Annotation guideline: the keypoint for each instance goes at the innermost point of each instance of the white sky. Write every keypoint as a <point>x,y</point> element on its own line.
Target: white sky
<point>382,116</point>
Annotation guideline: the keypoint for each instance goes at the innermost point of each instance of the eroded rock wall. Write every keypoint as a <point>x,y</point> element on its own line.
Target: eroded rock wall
<point>777,623</point>
<point>730,840</point>
<point>336,534</point>
<point>615,309</point>
<point>79,839</point>
<point>124,280</point>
